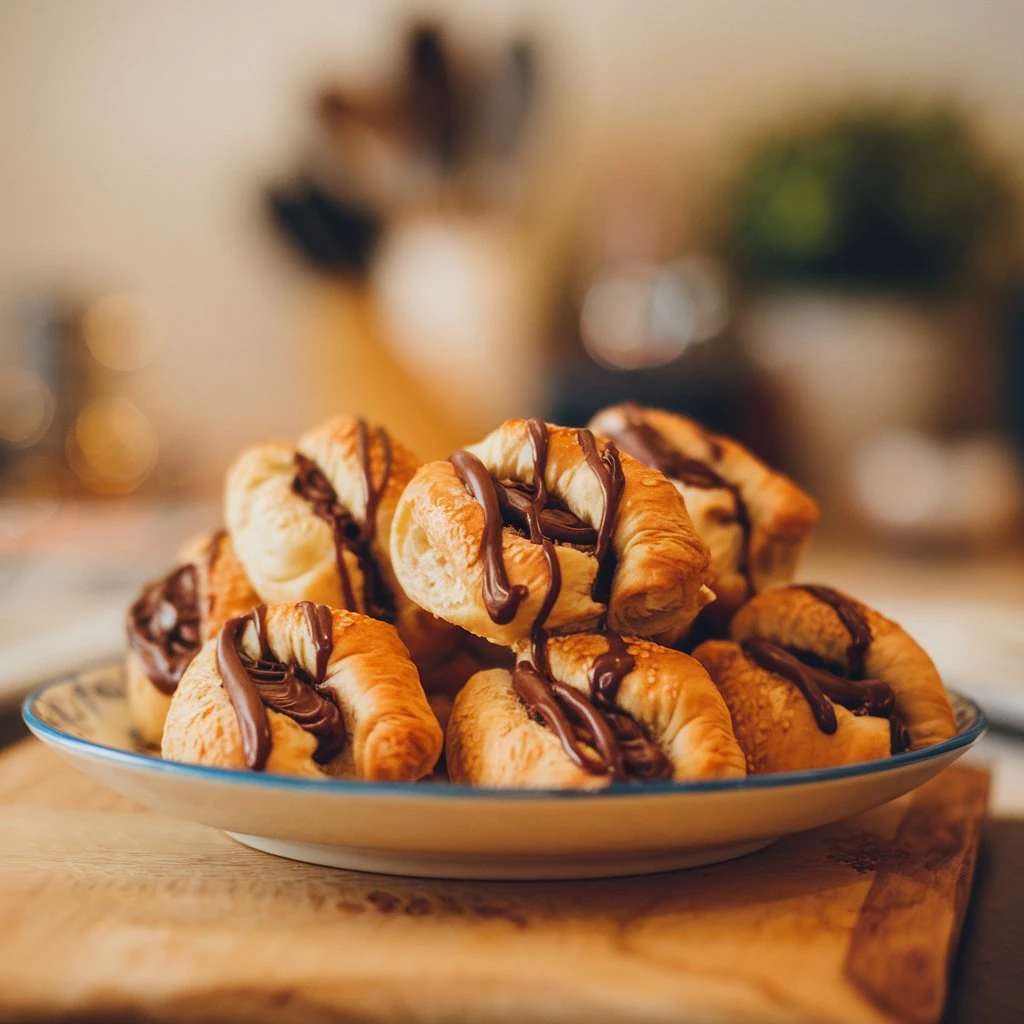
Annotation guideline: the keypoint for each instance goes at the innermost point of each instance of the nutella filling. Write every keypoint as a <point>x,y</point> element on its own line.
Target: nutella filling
<point>638,438</point>
<point>556,523</point>
<point>312,485</point>
<point>254,685</point>
<point>596,737</point>
<point>164,627</point>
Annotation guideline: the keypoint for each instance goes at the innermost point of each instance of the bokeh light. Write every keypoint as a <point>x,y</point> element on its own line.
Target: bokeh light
<point>636,316</point>
<point>112,446</point>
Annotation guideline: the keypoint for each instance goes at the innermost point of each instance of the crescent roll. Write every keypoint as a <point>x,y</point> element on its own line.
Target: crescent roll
<point>538,523</point>
<point>313,523</point>
<point>849,638</point>
<point>755,521</point>
<point>169,620</point>
<point>775,724</point>
<point>610,710</point>
<point>303,689</point>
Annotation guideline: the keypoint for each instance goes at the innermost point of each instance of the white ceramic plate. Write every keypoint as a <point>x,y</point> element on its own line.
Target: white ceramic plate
<point>435,830</point>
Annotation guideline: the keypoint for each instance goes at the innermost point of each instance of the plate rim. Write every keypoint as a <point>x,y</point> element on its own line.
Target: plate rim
<point>460,791</point>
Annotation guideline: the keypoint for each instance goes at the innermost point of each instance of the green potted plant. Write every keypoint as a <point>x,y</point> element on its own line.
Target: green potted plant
<point>868,244</point>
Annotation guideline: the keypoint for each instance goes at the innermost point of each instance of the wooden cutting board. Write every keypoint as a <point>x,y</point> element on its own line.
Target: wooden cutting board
<point>108,910</point>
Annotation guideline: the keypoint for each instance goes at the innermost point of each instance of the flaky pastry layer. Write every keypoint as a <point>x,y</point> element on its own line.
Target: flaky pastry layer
<point>792,617</point>
<point>391,733</point>
<point>289,551</point>
<point>224,591</point>
<point>493,741</point>
<point>662,566</point>
<point>774,723</point>
<point>781,515</point>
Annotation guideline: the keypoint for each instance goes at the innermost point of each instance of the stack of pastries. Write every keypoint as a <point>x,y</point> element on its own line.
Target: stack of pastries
<point>547,608</point>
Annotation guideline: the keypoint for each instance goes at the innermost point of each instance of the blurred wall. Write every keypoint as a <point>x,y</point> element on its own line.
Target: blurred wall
<point>136,137</point>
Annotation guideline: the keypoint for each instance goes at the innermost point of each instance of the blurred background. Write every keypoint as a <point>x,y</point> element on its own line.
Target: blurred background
<point>223,221</point>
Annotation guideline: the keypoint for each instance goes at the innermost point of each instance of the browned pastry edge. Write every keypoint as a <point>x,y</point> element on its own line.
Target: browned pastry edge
<point>661,568</point>
<point>793,618</point>
<point>390,731</point>
<point>223,591</point>
<point>781,516</point>
<point>774,723</point>
<point>493,741</point>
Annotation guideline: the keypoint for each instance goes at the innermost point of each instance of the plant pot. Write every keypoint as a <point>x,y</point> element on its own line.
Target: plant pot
<point>848,368</point>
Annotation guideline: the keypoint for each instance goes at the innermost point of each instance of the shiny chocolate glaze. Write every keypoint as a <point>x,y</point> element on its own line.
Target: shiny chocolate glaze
<point>556,523</point>
<point>500,599</point>
<point>638,438</point>
<point>822,689</point>
<point>254,685</point>
<point>859,630</point>
<point>164,627</point>
<point>607,468</point>
<point>312,485</point>
<point>853,621</point>
<point>598,739</point>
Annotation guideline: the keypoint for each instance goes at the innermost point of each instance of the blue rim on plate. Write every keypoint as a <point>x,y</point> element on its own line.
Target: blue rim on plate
<point>965,737</point>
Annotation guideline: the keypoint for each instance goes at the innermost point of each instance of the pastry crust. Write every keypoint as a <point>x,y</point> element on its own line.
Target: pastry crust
<point>223,591</point>
<point>224,588</point>
<point>289,551</point>
<point>774,723</point>
<point>662,566</point>
<point>794,618</point>
<point>390,732</point>
<point>147,706</point>
<point>781,515</point>
<point>493,741</point>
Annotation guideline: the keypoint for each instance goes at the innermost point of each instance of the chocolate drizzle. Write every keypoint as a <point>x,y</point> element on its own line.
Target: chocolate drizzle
<point>312,485</point>
<point>254,685</point>
<point>539,696</point>
<point>164,627</point>
<point>610,668</point>
<point>556,523</point>
<point>607,468</point>
<point>500,599</point>
<point>852,619</point>
<point>597,737</point>
<point>638,438</point>
<point>822,689</point>
<point>859,630</point>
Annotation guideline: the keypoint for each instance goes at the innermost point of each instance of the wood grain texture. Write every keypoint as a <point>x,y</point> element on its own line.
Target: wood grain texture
<point>908,927</point>
<point>114,912</point>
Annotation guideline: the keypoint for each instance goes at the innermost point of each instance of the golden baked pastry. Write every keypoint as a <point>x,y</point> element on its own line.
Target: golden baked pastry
<point>302,689</point>
<point>814,678</point>
<point>859,644</point>
<point>755,521</point>
<point>610,710</point>
<point>169,620</point>
<point>544,526</point>
<point>312,523</point>
<point>776,724</point>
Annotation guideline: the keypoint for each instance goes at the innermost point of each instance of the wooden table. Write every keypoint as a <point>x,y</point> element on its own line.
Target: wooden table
<point>112,911</point>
